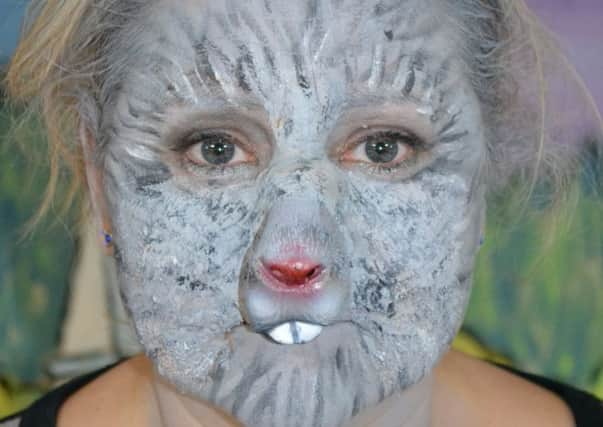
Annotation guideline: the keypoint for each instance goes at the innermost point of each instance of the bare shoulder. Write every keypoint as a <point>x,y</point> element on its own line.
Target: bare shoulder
<point>114,398</point>
<point>471,392</point>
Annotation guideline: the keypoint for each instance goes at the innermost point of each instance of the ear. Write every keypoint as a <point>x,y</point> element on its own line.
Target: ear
<point>94,178</point>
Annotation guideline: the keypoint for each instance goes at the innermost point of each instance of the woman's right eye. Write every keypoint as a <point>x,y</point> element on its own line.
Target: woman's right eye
<point>217,149</point>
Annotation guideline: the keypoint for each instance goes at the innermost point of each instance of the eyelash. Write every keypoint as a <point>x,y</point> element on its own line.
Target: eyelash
<point>196,141</point>
<point>409,140</point>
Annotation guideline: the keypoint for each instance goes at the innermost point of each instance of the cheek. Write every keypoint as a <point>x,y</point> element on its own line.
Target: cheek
<point>180,260</point>
<point>410,239</point>
<point>411,284</point>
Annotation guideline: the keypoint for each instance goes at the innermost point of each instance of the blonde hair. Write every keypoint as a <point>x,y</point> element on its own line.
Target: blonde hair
<point>39,75</point>
<point>57,66</point>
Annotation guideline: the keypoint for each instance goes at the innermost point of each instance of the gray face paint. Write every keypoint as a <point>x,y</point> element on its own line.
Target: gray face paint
<point>392,248</point>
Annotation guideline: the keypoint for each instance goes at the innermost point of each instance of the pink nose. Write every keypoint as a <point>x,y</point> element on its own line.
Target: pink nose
<point>293,273</point>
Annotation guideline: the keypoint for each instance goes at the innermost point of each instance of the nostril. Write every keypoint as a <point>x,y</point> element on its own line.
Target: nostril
<point>294,272</point>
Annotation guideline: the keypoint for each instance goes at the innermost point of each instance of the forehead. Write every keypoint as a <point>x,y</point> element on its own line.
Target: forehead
<point>271,50</point>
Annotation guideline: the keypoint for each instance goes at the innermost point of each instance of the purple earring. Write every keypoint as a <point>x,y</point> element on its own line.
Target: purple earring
<point>107,238</point>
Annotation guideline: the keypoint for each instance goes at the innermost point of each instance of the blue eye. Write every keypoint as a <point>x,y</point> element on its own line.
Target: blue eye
<point>382,148</point>
<point>219,149</point>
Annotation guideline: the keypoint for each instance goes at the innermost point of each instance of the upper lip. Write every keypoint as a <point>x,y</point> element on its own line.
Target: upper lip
<point>307,285</point>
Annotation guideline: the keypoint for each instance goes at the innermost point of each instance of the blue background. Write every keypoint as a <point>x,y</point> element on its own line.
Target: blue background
<point>11,13</point>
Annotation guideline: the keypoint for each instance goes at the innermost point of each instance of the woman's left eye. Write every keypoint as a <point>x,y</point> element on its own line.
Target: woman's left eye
<point>383,148</point>
<point>217,149</point>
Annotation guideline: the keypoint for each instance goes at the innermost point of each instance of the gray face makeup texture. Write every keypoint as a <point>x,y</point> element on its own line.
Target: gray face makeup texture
<point>294,81</point>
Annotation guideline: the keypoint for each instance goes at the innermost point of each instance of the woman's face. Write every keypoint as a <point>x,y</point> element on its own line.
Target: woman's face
<point>284,172</point>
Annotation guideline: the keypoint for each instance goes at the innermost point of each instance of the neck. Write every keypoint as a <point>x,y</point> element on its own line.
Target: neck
<point>174,409</point>
<point>411,408</point>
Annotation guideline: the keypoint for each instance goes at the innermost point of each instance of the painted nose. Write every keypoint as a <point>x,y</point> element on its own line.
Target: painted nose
<point>293,273</point>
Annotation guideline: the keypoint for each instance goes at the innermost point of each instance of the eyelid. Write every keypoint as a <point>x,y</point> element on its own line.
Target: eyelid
<point>251,123</point>
<point>188,139</point>
<point>381,115</point>
<point>356,137</point>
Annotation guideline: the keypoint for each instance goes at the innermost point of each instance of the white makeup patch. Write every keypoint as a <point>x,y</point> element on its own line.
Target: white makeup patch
<point>361,261</point>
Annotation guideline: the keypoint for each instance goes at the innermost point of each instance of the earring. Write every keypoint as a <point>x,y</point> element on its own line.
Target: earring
<point>107,239</point>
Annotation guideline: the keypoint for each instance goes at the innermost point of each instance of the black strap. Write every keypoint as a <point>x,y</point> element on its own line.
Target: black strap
<point>45,411</point>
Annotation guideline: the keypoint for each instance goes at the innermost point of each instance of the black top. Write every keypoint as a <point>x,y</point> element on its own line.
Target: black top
<point>587,409</point>
<point>45,411</point>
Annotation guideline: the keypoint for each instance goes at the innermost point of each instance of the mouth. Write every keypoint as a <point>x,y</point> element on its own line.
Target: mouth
<point>294,332</point>
<point>302,279</point>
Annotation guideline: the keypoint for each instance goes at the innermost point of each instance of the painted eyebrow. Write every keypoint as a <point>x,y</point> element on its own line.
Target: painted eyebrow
<point>151,107</point>
<point>255,119</point>
<point>163,128</point>
<point>438,129</point>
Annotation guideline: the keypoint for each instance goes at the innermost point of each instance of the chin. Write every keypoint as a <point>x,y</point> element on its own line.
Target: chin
<point>346,369</point>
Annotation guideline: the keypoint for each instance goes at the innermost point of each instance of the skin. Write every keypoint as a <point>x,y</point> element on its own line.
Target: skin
<point>299,86</point>
<point>466,393</point>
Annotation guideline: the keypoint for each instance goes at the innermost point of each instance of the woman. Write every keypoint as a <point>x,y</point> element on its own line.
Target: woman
<point>294,194</point>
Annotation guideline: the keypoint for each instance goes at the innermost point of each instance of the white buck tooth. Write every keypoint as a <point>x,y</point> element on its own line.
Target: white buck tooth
<point>294,332</point>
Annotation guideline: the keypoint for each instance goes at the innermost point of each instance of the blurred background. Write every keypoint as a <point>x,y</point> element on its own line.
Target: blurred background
<point>537,302</point>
